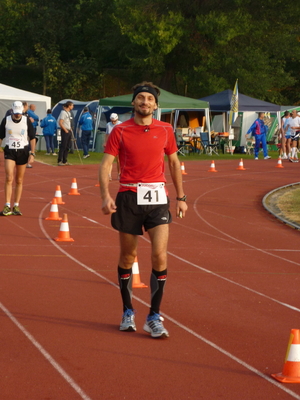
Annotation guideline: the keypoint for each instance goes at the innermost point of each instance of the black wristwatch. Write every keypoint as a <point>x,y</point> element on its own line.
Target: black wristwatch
<point>32,154</point>
<point>181,198</point>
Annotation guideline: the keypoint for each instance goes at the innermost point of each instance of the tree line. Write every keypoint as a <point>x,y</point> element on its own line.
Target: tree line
<point>89,49</point>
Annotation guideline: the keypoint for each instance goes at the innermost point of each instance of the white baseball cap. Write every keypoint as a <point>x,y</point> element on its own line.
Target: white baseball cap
<point>114,116</point>
<point>17,107</point>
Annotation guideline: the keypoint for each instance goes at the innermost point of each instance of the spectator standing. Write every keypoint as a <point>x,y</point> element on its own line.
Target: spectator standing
<point>35,119</point>
<point>114,120</point>
<point>64,121</point>
<point>259,130</point>
<point>142,201</point>
<point>49,125</point>
<point>86,123</point>
<point>17,130</point>
<point>30,111</point>
<point>294,124</point>
<point>285,137</point>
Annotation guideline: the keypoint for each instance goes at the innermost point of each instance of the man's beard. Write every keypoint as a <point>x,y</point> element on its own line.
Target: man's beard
<point>143,113</point>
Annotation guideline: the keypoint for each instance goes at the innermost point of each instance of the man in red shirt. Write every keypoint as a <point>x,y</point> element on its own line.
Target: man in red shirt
<point>142,202</point>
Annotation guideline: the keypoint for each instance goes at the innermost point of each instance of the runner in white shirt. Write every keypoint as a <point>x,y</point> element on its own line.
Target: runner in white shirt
<point>16,130</point>
<point>294,123</point>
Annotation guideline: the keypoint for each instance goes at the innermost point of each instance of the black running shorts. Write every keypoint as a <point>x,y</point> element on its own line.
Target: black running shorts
<point>20,156</point>
<point>131,217</point>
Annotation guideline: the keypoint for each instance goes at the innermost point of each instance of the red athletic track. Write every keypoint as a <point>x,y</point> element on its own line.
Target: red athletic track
<point>231,299</point>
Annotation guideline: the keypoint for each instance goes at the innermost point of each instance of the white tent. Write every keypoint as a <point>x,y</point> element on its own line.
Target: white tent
<point>9,94</point>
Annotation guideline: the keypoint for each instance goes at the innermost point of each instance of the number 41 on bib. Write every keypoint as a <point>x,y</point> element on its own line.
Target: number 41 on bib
<point>151,193</point>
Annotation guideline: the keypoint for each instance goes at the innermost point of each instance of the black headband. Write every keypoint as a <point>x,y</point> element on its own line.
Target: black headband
<point>147,89</point>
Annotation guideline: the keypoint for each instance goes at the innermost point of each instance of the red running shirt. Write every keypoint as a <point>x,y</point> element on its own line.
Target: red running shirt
<point>141,153</point>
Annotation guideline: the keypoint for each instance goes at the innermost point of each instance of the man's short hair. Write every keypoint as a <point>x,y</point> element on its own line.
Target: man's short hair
<point>68,104</point>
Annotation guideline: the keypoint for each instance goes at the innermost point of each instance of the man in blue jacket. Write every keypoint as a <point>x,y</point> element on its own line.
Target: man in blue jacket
<point>86,124</point>
<point>259,130</point>
<point>49,125</point>
<point>31,113</point>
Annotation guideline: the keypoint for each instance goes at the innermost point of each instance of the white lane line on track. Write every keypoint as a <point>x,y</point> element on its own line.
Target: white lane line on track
<point>44,352</point>
<point>185,328</point>
<point>232,237</point>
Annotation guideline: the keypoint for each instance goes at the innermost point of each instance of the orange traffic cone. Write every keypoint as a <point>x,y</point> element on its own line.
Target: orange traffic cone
<point>58,196</point>
<point>74,191</point>
<point>136,281</point>
<point>53,215</point>
<point>241,166</point>
<point>279,163</point>
<point>291,368</point>
<point>183,169</point>
<point>64,234</point>
<point>212,167</point>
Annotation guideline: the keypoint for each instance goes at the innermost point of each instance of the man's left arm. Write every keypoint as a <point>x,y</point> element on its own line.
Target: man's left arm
<point>176,175</point>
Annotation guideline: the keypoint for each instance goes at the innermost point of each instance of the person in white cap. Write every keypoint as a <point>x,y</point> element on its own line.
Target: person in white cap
<point>114,120</point>
<point>17,130</point>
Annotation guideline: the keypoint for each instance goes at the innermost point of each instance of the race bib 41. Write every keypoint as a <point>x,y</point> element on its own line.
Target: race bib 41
<point>151,193</point>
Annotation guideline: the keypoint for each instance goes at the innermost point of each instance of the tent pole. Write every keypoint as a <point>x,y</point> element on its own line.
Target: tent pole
<point>97,123</point>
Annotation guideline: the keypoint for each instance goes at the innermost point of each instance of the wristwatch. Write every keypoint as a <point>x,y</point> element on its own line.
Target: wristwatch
<point>32,154</point>
<point>181,198</point>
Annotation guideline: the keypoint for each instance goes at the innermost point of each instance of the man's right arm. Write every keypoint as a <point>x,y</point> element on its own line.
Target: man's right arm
<point>108,204</point>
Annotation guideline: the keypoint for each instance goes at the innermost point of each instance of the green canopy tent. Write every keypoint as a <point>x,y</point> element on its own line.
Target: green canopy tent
<point>166,102</point>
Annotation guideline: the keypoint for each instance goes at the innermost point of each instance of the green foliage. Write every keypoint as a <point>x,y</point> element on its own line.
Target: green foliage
<point>90,48</point>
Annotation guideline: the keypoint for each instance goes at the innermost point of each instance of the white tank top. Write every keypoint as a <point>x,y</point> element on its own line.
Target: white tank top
<point>16,134</point>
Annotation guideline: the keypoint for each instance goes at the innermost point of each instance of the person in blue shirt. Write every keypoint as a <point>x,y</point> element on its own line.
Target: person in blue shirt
<point>35,119</point>
<point>86,124</point>
<point>49,125</point>
<point>259,130</point>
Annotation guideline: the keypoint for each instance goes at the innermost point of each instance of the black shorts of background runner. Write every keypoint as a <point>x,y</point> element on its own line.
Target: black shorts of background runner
<point>20,156</point>
<point>296,136</point>
<point>131,217</point>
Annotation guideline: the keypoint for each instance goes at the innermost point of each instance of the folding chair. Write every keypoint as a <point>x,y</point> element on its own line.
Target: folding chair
<point>209,148</point>
<point>180,142</point>
<point>249,146</point>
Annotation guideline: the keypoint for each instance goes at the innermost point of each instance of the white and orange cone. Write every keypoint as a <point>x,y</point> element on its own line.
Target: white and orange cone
<point>212,167</point>
<point>136,280</point>
<point>183,169</point>
<point>291,368</point>
<point>241,166</point>
<point>64,232</point>
<point>53,215</point>
<point>58,195</point>
<point>74,189</point>
<point>279,163</point>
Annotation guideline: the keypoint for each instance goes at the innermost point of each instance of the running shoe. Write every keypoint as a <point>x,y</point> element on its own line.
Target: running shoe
<point>86,156</point>
<point>60,164</point>
<point>256,158</point>
<point>16,210</point>
<point>128,323</point>
<point>154,326</point>
<point>291,159</point>
<point>267,158</point>
<point>7,211</point>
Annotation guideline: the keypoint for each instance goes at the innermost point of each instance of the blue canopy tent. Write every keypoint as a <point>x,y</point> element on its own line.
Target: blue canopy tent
<point>247,108</point>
